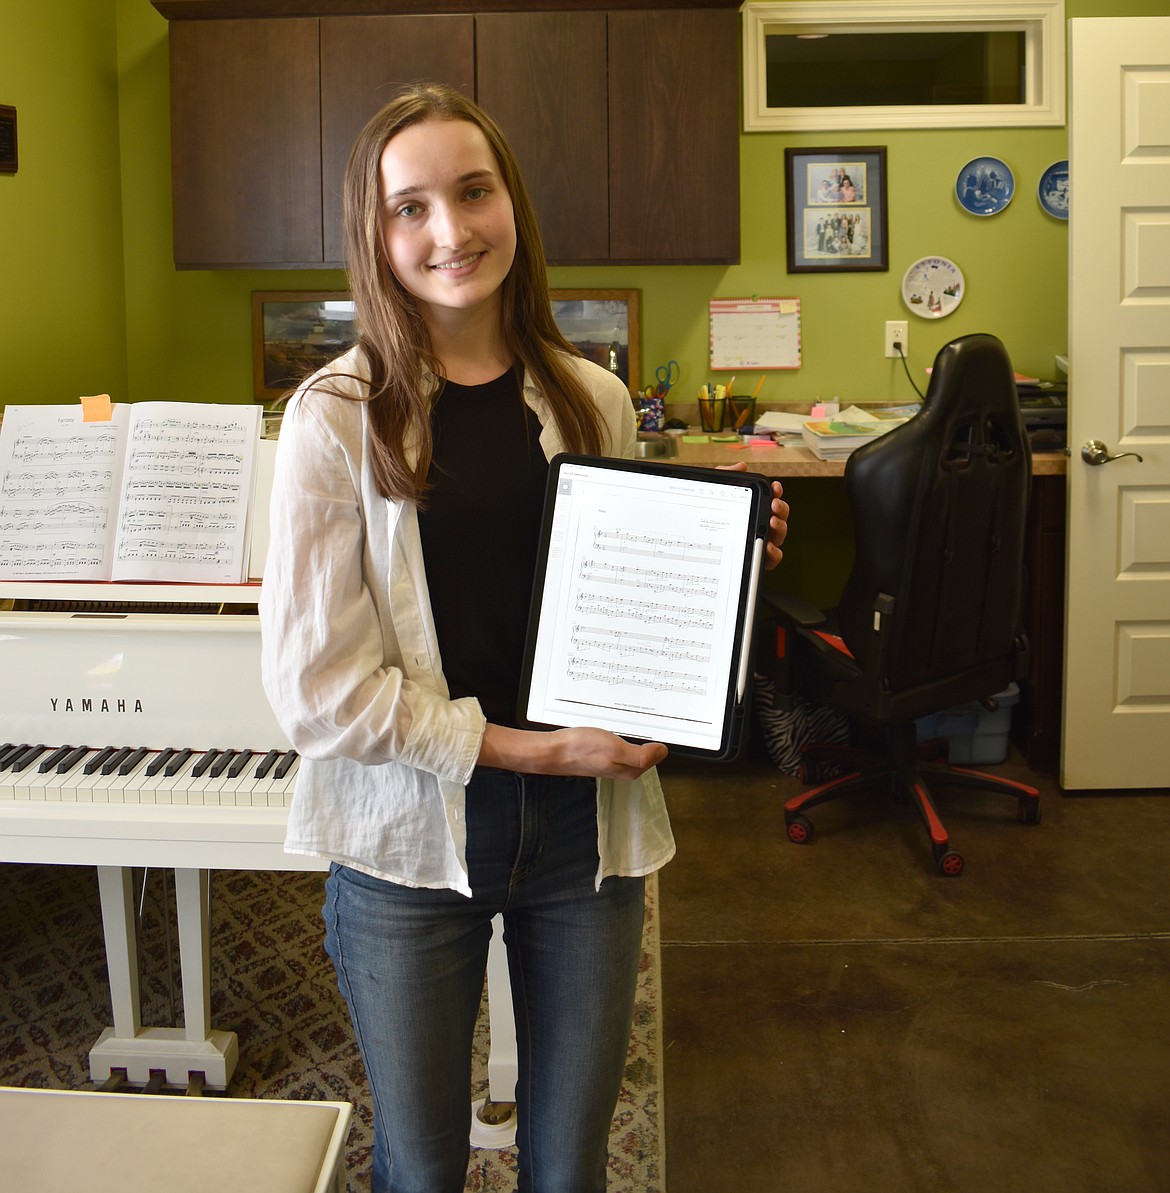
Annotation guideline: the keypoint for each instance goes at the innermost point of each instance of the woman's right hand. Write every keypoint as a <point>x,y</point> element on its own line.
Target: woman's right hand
<point>591,753</point>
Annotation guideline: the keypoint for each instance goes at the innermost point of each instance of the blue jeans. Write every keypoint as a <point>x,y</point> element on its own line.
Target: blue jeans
<point>411,965</point>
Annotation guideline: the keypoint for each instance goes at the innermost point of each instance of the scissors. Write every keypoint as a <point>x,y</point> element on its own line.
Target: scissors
<point>667,375</point>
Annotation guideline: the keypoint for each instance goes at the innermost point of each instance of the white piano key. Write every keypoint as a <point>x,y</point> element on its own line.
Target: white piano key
<point>30,782</point>
<point>21,780</point>
<point>178,785</point>
<point>281,792</point>
<point>75,788</point>
<point>57,779</point>
<point>128,788</point>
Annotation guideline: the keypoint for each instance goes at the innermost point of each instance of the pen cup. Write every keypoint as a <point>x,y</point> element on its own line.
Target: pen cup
<point>651,413</point>
<point>711,413</point>
<point>741,412</point>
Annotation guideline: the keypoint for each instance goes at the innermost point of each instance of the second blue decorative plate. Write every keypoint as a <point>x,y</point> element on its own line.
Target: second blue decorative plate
<point>1052,190</point>
<point>985,185</point>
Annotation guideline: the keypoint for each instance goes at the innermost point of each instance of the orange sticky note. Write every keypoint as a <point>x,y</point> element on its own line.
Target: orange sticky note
<point>97,409</point>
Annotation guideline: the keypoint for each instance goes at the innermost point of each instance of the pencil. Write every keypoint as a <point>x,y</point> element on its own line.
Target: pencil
<point>759,386</point>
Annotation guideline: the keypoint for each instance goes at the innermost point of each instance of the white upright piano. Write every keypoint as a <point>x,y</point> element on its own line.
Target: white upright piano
<point>134,731</point>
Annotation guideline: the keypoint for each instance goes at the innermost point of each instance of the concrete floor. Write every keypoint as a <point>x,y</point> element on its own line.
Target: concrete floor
<point>839,1017</point>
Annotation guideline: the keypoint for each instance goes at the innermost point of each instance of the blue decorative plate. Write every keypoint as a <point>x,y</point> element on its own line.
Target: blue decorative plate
<point>985,186</point>
<point>1052,190</point>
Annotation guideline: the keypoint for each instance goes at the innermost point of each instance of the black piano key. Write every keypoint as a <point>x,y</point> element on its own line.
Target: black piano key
<point>22,761</point>
<point>266,763</point>
<point>135,758</point>
<point>237,767</point>
<point>205,763</point>
<point>97,761</point>
<point>47,764</point>
<point>222,763</point>
<point>115,760</point>
<point>12,754</point>
<point>5,750</point>
<point>177,762</point>
<point>290,756</point>
<point>71,759</point>
<point>156,764</point>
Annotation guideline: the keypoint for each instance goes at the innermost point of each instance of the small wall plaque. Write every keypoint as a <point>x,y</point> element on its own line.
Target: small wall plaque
<point>7,139</point>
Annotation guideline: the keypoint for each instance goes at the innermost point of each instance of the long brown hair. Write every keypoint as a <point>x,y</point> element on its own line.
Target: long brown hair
<point>391,329</point>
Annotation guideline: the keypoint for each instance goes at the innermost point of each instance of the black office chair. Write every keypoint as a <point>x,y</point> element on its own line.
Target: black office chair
<point>930,614</point>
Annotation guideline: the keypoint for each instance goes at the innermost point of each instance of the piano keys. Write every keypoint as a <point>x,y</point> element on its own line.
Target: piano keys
<point>144,775</point>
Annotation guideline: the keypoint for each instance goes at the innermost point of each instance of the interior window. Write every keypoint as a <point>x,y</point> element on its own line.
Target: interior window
<point>859,64</point>
<point>896,69</point>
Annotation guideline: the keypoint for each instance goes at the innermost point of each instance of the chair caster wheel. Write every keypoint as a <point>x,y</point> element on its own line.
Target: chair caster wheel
<point>951,864</point>
<point>799,830</point>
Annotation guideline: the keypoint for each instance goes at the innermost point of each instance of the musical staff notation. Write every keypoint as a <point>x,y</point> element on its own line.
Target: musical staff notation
<point>650,679</point>
<point>657,546</point>
<point>159,491</point>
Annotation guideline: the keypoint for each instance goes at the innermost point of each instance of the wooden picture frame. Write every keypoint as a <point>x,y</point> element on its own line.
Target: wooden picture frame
<point>837,214</point>
<point>294,333</point>
<point>601,322</point>
<point>9,158</point>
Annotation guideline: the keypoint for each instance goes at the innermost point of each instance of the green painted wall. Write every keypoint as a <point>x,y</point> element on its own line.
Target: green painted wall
<point>93,302</point>
<point>62,311</point>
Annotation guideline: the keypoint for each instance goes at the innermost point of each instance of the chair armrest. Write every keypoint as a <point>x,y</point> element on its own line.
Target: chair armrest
<point>793,609</point>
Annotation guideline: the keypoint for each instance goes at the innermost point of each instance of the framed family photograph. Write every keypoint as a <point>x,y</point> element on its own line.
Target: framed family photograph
<point>604,326</point>
<point>837,218</point>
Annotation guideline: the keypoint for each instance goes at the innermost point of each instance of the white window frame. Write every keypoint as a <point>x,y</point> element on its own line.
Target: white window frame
<point>1041,21</point>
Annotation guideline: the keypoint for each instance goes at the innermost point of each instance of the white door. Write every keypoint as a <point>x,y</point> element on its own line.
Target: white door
<point>1117,649</point>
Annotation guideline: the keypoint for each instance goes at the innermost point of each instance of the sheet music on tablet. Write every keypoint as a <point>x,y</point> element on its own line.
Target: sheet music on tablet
<point>642,611</point>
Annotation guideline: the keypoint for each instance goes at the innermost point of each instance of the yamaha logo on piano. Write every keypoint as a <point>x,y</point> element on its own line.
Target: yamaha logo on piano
<point>89,704</point>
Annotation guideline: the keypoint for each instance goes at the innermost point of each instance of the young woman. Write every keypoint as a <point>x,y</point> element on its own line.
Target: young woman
<point>408,492</point>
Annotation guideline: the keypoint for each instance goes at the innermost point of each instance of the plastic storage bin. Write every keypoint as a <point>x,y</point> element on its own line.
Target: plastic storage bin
<point>972,733</point>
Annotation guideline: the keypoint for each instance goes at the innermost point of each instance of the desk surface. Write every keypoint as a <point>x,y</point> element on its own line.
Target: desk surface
<point>796,460</point>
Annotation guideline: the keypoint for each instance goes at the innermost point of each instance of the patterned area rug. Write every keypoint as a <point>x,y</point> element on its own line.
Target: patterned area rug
<point>273,985</point>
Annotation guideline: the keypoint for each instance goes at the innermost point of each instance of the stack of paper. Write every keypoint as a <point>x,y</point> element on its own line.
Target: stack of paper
<point>838,437</point>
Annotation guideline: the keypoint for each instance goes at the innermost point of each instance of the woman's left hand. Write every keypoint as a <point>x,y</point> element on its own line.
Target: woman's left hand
<point>777,524</point>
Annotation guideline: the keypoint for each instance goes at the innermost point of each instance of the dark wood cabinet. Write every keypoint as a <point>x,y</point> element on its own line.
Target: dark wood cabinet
<point>542,76</point>
<point>674,136</point>
<point>245,142</point>
<point>363,60</point>
<point>625,124</point>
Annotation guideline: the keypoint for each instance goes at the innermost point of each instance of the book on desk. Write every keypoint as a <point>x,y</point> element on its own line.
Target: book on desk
<point>836,438</point>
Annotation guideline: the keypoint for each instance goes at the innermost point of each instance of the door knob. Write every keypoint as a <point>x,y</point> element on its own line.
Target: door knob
<point>1095,452</point>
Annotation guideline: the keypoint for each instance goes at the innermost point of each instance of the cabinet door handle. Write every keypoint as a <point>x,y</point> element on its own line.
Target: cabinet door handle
<point>1095,452</point>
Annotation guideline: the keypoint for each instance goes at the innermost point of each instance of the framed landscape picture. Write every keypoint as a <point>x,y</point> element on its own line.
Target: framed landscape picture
<point>605,326</point>
<point>294,333</point>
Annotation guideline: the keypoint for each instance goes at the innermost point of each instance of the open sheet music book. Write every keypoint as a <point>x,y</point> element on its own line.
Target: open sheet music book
<point>159,491</point>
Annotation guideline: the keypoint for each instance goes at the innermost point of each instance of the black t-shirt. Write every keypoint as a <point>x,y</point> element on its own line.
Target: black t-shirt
<point>479,534</point>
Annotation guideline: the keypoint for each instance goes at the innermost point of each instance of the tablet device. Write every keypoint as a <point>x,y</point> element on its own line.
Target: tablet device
<point>643,602</point>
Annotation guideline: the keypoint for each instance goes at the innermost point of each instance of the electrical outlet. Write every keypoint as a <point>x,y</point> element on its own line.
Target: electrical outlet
<point>897,331</point>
